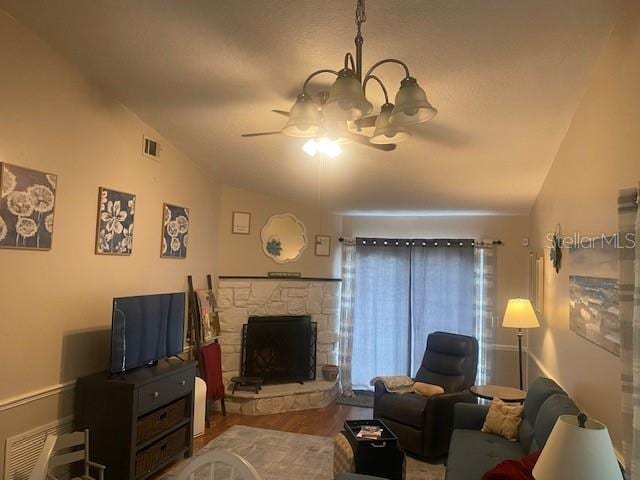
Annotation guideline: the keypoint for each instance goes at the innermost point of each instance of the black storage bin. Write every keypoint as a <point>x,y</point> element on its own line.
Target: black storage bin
<point>381,457</point>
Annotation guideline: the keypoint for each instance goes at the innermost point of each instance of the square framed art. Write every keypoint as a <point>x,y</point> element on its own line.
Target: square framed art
<point>114,231</point>
<point>27,204</point>
<point>175,231</point>
<point>241,223</point>
<point>323,245</point>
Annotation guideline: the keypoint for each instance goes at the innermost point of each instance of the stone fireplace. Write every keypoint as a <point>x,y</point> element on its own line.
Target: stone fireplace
<point>242,297</point>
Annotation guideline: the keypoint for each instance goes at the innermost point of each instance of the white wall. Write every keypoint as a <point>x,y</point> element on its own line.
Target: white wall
<point>55,306</point>
<point>599,156</point>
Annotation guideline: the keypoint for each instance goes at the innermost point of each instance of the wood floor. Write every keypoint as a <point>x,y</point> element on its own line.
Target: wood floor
<point>326,422</point>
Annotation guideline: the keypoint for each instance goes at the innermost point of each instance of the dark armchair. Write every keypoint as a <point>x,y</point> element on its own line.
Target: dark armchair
<point>424,425</point>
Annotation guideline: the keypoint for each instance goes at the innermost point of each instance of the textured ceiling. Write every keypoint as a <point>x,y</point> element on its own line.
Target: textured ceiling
<point>506,76</point>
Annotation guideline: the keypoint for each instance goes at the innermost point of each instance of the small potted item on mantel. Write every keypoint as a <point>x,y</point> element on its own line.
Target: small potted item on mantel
<point>330,372</point>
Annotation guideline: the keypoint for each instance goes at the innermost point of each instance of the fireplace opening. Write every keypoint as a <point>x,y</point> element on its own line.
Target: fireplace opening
<point>280,349</point>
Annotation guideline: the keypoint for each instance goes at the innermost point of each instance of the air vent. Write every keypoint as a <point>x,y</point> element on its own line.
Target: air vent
<point>151,148</point>
<point>23,450</point>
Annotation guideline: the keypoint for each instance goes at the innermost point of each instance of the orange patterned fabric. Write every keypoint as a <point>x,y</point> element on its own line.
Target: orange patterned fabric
<point>343,461</point>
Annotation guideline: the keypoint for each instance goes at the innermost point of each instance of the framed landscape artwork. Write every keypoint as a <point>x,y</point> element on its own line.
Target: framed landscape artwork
<point>593,293</point>
<point>27,203</point>
<point>175,231</point>
<point>114,231</point>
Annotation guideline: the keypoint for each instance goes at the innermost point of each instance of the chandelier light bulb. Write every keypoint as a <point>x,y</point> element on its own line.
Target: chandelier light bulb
<point>305,119</point>
<point>385,132</point>
<point>412,106</point>
<point>322,145</point>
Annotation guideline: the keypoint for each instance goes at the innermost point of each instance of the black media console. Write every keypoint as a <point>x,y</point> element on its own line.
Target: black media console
<point>141,421</point>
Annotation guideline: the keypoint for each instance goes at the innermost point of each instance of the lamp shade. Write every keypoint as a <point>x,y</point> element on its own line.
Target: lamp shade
<point>305,119</point>
<point>346,98</point>
<point>576,453</point>
<point>520,314</point>
<point>412,106</point>
<point>385,132</point>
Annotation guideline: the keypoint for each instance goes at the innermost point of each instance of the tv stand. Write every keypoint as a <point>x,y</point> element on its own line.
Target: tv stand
<point>141,421</point>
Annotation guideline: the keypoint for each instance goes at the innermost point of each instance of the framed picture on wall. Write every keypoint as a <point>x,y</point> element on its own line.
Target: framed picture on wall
<point>175,231</point>
<point>27,203</point>
<point>323,245</point>
<point>114,231</point>
<point>241,223</point>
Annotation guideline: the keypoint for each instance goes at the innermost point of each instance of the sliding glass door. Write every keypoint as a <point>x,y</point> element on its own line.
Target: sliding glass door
<point>406,290</point>
<point>381,341</point>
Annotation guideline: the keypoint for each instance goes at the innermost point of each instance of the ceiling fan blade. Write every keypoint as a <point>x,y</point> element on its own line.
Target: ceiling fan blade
<point>362,140</point>
<point>261,134</point>
<point>366,122</point>
<point>281,112</point>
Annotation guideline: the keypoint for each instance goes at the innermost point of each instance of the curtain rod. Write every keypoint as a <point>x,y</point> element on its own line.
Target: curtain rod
<point>430,240</point>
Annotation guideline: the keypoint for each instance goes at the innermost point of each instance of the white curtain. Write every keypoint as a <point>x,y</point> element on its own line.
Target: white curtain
<point>442,286</point>
<point>484,309</point>
<point>629,292</point>
<point>381,313</point>
<point>346,315</point>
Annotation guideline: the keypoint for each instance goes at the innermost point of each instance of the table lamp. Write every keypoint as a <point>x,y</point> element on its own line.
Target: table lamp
<point>520,314</point>
<point>578,449</point>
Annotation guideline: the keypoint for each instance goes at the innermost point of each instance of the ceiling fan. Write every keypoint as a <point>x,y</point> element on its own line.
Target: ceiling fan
<point>343,114</point>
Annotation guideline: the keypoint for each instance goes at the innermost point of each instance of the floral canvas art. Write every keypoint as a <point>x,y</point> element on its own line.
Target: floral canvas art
<point>116,211</point>
<point>175,231</point>
<point>27,204</point>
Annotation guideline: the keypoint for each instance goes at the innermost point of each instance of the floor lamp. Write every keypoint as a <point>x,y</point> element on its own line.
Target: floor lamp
<point>520,314</point>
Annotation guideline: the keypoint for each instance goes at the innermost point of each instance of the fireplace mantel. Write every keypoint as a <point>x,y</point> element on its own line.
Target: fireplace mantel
<point>241,297</point>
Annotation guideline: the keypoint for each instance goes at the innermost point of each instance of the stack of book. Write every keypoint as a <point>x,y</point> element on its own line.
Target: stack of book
<point>371,432</point>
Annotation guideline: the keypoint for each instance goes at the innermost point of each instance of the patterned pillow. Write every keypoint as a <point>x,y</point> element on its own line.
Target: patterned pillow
<point>503,419</point>
<point>343,461</point>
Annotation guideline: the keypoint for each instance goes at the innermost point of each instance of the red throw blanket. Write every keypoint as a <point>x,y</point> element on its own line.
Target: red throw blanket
<point>513,469</point>
<point>212,366</point>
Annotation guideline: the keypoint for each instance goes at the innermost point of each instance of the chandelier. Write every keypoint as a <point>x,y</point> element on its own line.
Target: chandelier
<point>331,118</point>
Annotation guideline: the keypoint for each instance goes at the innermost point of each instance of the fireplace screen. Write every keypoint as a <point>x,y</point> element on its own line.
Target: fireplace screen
<point>279,349</point>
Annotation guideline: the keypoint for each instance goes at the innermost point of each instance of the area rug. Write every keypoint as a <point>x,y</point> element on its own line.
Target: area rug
<point>361,398</point>
<point>292,456</point>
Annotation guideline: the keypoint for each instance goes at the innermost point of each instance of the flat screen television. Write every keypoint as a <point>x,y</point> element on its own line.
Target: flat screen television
<point>146,329</point>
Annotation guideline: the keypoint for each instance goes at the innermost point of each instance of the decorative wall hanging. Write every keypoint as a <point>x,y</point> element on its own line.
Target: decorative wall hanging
<point>284,238</point>
<point>114,233</point>
<point>593,292</point>
<point>556,250</point>
<point>27,205</point>
<point>241,223</point>
<point>323,245</point>
<point>175,231</point>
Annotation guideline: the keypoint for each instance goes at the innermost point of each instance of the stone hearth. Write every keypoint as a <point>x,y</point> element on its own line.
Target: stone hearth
<point>240,298</point>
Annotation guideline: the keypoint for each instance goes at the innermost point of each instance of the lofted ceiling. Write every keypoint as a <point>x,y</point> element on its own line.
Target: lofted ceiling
<point>505,75</point>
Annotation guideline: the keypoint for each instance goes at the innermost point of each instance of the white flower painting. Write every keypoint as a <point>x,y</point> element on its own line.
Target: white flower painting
<point>27,202</point>
<point>175,231</point>
<point>114,234</point>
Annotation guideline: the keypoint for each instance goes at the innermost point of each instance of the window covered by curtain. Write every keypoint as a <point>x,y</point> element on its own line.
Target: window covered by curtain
<point>629,293</point>
<point>381,313</point>
<point>442,286</point>
<point>484,309</point>
<point>346,315</point>
<point>406,290</point>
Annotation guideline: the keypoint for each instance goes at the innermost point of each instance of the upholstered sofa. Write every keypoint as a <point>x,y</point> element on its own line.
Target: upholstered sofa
<point>473,452</point>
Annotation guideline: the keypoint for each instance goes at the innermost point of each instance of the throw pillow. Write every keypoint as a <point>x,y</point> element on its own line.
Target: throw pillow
<point>514,469</point>
<point>503,419</point>
<point>427,389</point>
